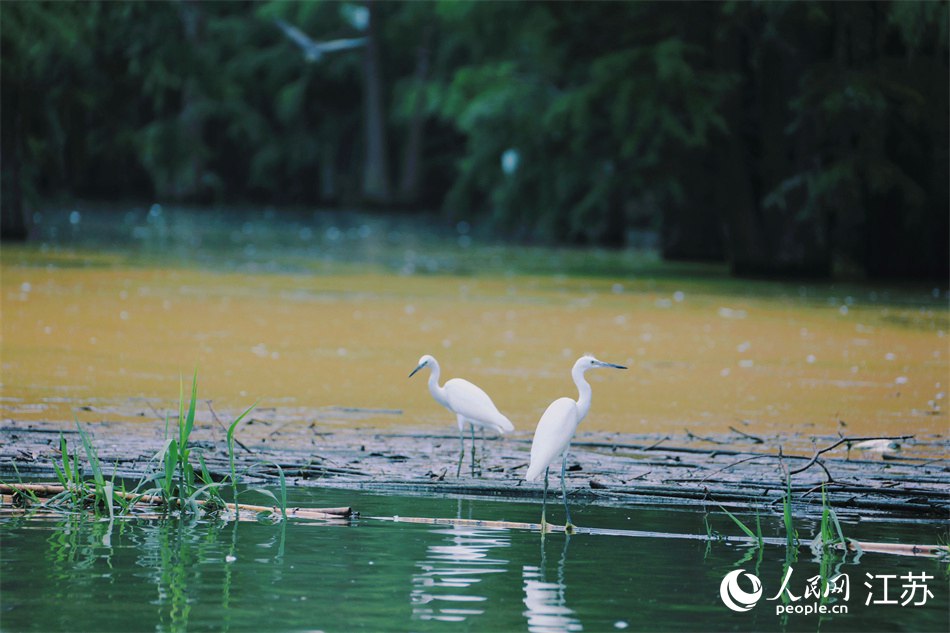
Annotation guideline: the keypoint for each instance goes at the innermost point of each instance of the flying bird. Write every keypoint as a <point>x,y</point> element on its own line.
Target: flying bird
<point>312,50</point>
<point>556,429</point>
<point>469,403</point>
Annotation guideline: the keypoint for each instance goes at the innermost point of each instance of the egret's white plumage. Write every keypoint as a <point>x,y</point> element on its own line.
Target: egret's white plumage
<point>553,435</point>
<point>468,402</point>
<point>556,429</point>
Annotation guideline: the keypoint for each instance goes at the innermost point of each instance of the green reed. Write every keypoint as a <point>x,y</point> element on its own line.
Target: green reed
<point>171,474</point>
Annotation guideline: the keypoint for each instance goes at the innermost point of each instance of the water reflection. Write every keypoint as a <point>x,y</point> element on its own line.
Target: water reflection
<point>545,602</point>
<point>81,543</point>
<point>447,587</point>
<point>77,573</point>
<point>170,552</point>
<point>180,561</point>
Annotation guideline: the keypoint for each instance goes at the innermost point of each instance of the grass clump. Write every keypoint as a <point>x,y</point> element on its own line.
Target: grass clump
<point>173,484</point>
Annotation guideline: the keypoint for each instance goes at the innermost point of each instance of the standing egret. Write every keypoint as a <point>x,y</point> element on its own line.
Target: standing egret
<point>556,429</point>
<point>469,403</point>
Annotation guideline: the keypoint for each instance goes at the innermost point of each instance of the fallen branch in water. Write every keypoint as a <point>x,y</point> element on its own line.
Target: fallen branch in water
<point>757,440</point>
<point>155,500</point>
<point>811,461</point>
<point>693,436</point>
<point>656,443</point>
<point>899,549</point>
<point>843,440</point>
<point>37,489</point>
<point>225,428</point>
<point>735,463</point>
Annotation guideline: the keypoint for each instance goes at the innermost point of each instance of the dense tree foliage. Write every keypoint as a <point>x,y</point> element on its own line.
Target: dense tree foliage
<point>781,137</point>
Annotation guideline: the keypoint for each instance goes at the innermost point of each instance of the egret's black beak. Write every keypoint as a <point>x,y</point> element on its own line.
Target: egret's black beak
<point>603,364</point>
<point>413,373</point>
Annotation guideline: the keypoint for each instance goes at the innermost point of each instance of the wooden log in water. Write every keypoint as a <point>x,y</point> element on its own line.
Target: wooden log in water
<point>47,489</point>
<point>300,513</point>
<point>40,489</point>
<point>899,549</point>
<point>550,527</point>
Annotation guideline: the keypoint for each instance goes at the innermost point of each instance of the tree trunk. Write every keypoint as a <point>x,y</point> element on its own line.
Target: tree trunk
<point>328,171</point>
<point>187,178</point>
<point>780,240</point>
<point>692,230</point>
<point>376,187</point>
<point>411,173</point>
<point>14,223</point>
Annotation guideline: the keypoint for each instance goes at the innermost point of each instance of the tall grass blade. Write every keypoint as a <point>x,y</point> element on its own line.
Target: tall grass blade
<point>234,480</point>
<point>192,499</point>
<point>171,465</point>
<point>758,527</point>
<point>741,525</point>
<point>210,484</point>
<point>181,403</point>
<point>107,493</point>
<point>791,535</point>
<point>205,474</point>
<point>831,531</point>
<point>283,491</point>
<point>92,457</point>
<point>62,473</point>
<point>270,495</point>
<point>77,487</point>
<point>185,432</point>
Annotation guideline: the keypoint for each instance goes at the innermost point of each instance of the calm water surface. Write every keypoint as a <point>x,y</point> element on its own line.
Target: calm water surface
<point>69,574</point>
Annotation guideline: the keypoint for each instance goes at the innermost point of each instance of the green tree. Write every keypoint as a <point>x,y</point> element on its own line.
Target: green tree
<point>596,101</point>
<point>838,132</point>
<point>39,95</point>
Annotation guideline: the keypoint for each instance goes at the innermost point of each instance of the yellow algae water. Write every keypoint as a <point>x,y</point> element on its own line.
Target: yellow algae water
<point>108,339</point>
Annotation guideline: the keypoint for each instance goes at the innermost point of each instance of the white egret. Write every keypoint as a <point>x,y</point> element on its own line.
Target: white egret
<point>469,403</point>
<point>313,50</point>
<point>556,429</point>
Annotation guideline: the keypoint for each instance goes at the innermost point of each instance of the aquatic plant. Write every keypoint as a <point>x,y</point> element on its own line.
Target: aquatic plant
<point>756,535</point>
<point>830,532</point>
<point>742,526</point>
<point>171,481</point>
<point>791,534</point>
<point>234,478</point>
<point>176,476</point>
<point>75,489</point>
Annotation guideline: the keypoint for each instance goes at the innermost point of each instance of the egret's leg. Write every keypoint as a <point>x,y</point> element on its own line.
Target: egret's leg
<point>472,426</point>
<point>458,471</point>
<point>481,432</point>
<point>568,527</point>
<point>544,500</point>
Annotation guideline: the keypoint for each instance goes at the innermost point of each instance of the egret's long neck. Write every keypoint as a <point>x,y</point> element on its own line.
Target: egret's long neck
<point>583,391</point>
<point>437,392</point>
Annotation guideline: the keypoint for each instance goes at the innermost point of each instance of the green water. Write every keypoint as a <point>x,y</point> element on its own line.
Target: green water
<point>74,574</point>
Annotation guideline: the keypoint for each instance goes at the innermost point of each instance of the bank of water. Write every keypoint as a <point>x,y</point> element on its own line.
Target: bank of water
<point>105,310</point>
